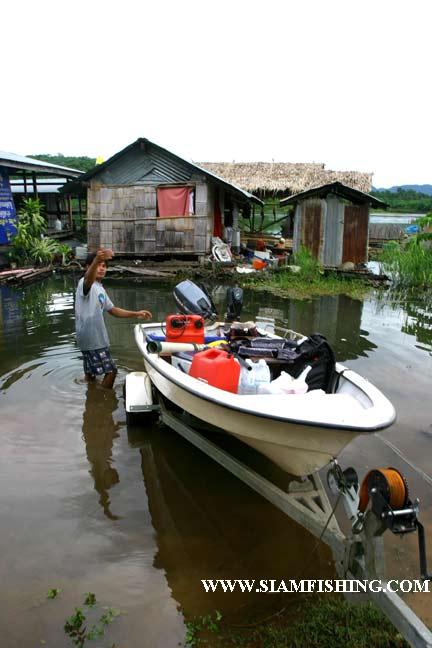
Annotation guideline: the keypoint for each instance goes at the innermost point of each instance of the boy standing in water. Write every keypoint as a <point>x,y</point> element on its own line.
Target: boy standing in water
<point>90,303</point>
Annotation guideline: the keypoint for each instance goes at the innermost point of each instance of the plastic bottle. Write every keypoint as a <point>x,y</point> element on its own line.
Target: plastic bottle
<point>252,376</point>
<point>247,379</point>
<point>262,374</point>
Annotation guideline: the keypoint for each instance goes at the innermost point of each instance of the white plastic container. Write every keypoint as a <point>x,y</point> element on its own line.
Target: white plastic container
<point>262,374</point>
<point>247,379</point>
<point>253,376</point>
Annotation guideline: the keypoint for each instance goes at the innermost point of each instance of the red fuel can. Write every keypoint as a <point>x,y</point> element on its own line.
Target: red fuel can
<point>184,328</point>
<point>217,368</point>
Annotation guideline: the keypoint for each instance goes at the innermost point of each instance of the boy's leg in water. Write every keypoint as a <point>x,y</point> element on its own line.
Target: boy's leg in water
<point>108,379</point>
<point>89,377</point>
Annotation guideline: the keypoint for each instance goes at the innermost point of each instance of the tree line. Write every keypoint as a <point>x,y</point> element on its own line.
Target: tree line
<point>82,162</point>
<point>405,200</point>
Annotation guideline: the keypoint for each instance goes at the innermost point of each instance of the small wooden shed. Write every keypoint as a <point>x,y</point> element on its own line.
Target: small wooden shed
<point>147,201</point>
<point>332,221</point>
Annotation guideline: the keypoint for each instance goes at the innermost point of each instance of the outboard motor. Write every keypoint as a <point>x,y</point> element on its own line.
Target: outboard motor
<point>192,300</point>
<point>234,303</point>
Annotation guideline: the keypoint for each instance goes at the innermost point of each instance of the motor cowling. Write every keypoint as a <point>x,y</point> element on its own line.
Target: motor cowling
<point>193,300</point>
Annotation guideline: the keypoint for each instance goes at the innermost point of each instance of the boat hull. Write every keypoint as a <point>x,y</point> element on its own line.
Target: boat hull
<point>299,433</point>
<point>297,448</point>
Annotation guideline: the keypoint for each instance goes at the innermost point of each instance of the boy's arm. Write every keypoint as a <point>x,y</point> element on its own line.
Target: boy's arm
<point>90,276</point>
<point>121,312</point>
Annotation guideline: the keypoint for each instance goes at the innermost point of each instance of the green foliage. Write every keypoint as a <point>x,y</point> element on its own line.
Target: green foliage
<point>31,217</point>
<point>65,251</point>
<point>309,266</point>
<point>199,624</point>
<point>82,163</point>
<point>265,218</point>
<point>53,593</point>
<point>405,200</point>
<point>314,623</point>
<point>28,245</point>
<point>90,599</point>
<point>425,224</point>
<point>31,226</point>
<point>43,251</point>
<point>75,627</point>
<point>409,264</point>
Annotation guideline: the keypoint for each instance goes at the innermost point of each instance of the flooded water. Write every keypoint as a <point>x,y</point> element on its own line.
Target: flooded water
<point>393,218</point>
<point>138,516</point>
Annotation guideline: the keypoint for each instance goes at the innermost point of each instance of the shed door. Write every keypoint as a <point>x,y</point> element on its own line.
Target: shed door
<point>312,229</point>
<point>355,237</point>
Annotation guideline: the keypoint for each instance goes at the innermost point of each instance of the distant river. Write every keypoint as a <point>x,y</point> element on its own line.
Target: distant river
<point>391,217</point>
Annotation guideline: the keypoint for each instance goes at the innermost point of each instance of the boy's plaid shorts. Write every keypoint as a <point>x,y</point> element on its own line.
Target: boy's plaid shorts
<point>98,362</point>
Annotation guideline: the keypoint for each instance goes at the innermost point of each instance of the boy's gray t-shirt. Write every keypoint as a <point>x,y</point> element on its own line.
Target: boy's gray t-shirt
<point>90,326</point>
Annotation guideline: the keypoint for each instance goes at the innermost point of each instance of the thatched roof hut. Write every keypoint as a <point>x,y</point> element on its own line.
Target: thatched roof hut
<point>285,178</point>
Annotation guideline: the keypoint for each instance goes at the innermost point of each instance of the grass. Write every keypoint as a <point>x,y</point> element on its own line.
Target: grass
<point>315,623</point>
<point>287,284</point>
<point>409,265</point>
<point>310,281</point>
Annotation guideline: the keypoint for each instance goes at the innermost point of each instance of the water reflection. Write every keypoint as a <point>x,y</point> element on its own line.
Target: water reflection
<point>414,309</point>
<point>99,431</point>
<point>210,525</point>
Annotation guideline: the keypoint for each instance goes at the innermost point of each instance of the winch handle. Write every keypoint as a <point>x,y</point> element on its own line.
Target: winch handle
<point>422,552</point>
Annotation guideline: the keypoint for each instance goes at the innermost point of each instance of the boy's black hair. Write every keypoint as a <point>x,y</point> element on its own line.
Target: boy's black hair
<point>90,258</point>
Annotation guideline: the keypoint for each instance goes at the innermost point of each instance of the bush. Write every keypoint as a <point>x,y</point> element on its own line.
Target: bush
<point>28,245</point>
<point>309,266</point>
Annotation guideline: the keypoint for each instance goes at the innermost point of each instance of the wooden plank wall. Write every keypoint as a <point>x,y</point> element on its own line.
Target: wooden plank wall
<point>124,219</point>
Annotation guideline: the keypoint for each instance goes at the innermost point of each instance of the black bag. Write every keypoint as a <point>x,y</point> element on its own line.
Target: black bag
<point>289,356</point>
<point>317,353</point>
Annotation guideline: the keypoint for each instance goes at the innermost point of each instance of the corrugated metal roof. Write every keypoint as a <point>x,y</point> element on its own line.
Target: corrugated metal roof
<point>171,165</point>
<point>48,185</point>
<point>14,161</point>
<point>338,189</point>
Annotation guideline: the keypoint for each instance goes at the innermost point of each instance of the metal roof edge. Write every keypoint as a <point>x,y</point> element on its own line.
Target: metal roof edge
<point>337,188</point>
<point>26,163</point>
<point>139,141</point>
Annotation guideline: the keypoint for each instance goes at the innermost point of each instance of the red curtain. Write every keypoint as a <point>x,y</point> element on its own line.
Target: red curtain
<point>173,201</point>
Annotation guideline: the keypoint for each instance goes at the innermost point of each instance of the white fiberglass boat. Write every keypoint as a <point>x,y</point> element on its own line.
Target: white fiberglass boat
<point>299,432</point>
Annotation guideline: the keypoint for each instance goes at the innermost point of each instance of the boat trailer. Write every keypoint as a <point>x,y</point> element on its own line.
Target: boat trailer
<point>381,503</point>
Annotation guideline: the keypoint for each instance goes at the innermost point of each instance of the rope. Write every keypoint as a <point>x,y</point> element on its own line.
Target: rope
<point>401,455</point>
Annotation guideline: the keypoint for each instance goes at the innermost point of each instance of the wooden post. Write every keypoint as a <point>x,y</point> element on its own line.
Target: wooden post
<point>25,183</point>
<point>70,212</point>
<point>262,219</point>
<point>35,191</point>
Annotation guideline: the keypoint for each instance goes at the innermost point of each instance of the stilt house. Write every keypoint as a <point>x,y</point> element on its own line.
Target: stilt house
<point>332,222</point>
<point>24,177</point>
<point>145,200</point>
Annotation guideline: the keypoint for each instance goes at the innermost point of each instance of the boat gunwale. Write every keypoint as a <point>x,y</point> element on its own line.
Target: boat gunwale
<point>158,366</point>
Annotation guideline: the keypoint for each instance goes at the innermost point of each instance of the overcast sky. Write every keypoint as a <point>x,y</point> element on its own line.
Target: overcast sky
<point>342,82</point>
